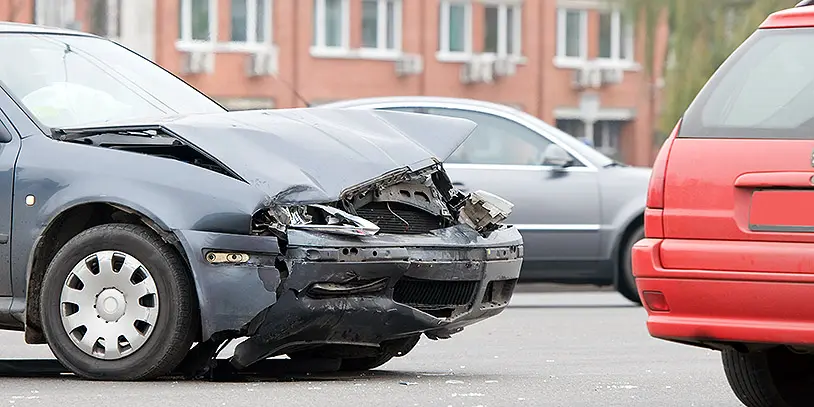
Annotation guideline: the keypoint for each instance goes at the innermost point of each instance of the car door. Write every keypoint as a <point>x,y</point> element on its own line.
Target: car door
<point>9,146</point>
<point>557,210</point>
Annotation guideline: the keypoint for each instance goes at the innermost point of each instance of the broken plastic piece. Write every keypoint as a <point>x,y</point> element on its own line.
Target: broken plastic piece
<point>483,211</point>
<point>350,224</point>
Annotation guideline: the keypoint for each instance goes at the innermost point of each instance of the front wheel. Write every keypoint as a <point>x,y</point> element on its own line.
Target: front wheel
<point>776,377</point>
<point>117,304</point>
<point>627,282</point>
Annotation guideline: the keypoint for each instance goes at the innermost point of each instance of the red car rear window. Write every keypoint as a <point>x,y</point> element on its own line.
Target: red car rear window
<point>764,90</point>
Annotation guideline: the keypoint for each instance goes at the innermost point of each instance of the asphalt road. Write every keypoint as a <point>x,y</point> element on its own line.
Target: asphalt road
<point>549,349</point>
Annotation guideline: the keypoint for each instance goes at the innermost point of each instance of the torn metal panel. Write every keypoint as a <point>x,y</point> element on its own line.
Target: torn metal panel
<point>415,194</point>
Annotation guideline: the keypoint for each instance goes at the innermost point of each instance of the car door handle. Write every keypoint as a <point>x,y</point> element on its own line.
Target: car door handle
<point>460,186</point>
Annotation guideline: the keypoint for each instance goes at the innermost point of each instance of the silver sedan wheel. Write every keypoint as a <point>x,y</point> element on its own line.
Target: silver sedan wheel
<point>109,305</point>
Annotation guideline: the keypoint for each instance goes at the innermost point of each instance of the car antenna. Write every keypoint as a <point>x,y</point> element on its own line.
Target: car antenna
<point>294,91</point>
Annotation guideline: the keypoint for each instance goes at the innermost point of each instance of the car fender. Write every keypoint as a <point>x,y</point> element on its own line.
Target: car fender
<point>173,195</point>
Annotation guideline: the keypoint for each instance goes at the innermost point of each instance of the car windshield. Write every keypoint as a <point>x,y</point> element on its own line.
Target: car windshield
<point>71,81</point>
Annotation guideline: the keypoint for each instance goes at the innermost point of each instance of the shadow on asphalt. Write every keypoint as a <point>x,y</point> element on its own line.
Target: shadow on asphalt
<point>271,370</point>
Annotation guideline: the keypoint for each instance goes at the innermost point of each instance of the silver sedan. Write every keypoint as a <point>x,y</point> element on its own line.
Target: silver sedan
<point>578,210</point>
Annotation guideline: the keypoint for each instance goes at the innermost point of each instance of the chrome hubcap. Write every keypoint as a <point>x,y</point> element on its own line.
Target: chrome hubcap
<point>109,305</point>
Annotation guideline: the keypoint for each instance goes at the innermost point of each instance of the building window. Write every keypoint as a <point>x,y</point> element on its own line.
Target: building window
<point>198,20</point>
<point>502,32</point>
<point>615,36</point>
<point>251,21</point>
<point>381,24</point>
<point>455,27</point>
<point>576,128</point>
<point>104,18</point>
<point>607,137</point>
<point>572,33</point>
<point>331,28</point>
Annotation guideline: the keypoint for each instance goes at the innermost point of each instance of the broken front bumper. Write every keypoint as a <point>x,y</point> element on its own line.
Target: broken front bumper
<point>343,290</point>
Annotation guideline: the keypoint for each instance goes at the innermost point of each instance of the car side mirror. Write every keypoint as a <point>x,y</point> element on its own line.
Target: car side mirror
<point>556,156</point>
<point>5,134</point>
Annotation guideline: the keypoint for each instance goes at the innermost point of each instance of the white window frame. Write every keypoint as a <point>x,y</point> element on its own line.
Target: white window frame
<point>562,60</point>
<point>186,42</point>
<point>502,29</point>
<point>619,35</point>
<point>320,48</point>
<point>444,54</point>
<point>251,25</point>
<point>212,45</point>
<point>382,28</point>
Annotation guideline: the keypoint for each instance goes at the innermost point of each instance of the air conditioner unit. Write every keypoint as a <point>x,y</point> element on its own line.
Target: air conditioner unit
<point>612,75</point>
<point>262,63</point>
<point>487,73</point>
<point>469,72</point>
<point>196,62</point>
<point>587,77</point>
<point>409,64</point>
<point>478,70</point>
<point>505,67</point>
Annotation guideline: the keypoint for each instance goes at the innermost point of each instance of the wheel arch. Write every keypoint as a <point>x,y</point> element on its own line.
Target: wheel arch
<point>68,222</point>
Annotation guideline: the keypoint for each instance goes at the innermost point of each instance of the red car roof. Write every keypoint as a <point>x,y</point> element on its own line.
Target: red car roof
<point>792,18</point>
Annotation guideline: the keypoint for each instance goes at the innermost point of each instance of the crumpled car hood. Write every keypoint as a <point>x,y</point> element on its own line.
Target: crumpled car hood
<point>311,155</point>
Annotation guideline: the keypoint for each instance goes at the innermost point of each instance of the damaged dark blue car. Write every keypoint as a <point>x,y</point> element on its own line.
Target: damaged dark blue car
<point>143,226</point>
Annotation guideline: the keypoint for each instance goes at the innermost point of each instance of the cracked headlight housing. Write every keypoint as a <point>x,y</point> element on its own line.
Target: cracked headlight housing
<point>314,217</point>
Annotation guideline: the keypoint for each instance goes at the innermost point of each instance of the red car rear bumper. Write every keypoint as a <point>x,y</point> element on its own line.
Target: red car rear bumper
<point>719,306</point>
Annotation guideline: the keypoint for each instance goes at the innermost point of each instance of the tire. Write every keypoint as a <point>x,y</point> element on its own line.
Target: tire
<point>627,282</point>
<point>773,378</point>
<point>162,331</point>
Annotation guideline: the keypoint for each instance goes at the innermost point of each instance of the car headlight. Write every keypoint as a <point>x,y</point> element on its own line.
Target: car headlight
<point>315,217</point>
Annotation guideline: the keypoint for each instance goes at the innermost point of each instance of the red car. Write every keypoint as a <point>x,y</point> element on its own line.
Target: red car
<point>727,262</point>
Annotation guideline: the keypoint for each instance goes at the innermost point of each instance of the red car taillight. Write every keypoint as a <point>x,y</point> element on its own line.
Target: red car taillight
<point>655,192</point>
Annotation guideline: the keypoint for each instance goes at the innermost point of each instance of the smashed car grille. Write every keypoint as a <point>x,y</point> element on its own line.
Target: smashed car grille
<point>397,218</point>
<point>434,294</point>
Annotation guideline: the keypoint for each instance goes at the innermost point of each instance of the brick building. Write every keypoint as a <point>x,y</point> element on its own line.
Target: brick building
<point>571,62</point>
